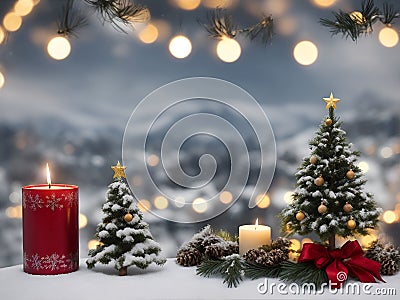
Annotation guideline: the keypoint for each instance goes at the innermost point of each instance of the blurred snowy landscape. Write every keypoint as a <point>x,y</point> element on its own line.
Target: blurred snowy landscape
<point>85,158</point>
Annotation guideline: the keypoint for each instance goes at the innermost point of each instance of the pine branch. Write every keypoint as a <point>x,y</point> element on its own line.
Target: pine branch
<point>354,26</point>
<point>264,29</point>
<point>70,20</point>
<point>389,14</point>
<point>220,24</point>
<point>119,12</point>
<point>303,273</point>
<point>255,271</point>
<point>230,268</point>
<point>343,24</point>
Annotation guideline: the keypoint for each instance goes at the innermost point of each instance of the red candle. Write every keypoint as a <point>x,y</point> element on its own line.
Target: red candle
<point>50,228</point>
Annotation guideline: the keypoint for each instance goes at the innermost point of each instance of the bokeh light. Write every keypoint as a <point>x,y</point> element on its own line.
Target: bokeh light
<point>226,197</point>
<point>187,4</point>
<point>388,37</point>
<point>386,152</point>
<point>228,50</point>
<point>288,197</point>
<point>306,241</point>
<point>153,160</point>
<point>219,3</point>
<point>2,80</point>
<point>23,7</point>
<point>180,46</point>
<point>137,180</point>
<point>276,7</point>
<point>2,35</point>
<point>160,202</point>
<point>92,244</point>
<point>305,53</point>
<point>367,240</point>
<point>357,17</point>
<point>286,25</point>
<point>199,205</point>
<point>59,48</point>
<point>14,212</point>
<point>389,216</point>
<point>15,197</point>
<point>163,28</point>
<point>263,201</point>
<point>364,166</point>
<point>149,34</point>
<point>179,201</point>
<point>82,221</point>
<point>12,21</point>
<point>295,245</point>
<point>144,205</point>
<point>324,3</point>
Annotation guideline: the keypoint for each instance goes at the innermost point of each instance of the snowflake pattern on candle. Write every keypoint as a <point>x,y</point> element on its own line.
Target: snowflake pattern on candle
<point>32,202</point>
<point>53,202</point>
<point>71,199</point>
<point>54,261</point>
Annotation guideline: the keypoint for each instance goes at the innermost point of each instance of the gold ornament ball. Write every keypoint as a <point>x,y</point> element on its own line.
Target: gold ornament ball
<point>313,160</point>
<point>328,122</point>
<point>350,174</point>
<point>300,216</point>
<point>128,217</point>
<point>347,207</point>
<point>351,224</point>
<point>319,181</point>
<point>322,209</point>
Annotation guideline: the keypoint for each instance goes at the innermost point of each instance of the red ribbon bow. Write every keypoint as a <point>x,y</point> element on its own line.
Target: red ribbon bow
<point>339,262</point>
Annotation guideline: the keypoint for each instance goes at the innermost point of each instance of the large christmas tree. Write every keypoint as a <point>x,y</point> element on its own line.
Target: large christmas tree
<point>125,240</point>
<point>329,198</point>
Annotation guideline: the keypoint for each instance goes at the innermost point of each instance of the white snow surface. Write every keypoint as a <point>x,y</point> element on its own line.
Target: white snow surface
<point>168,282</point>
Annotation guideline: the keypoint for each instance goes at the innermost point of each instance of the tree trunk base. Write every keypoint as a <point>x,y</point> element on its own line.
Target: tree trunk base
<point>123,271</point>
<point>331,245</point>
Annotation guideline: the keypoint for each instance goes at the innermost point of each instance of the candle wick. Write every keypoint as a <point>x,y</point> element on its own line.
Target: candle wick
<point>49,185</point>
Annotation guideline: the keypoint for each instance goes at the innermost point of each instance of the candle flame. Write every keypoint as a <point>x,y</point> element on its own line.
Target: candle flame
<point>256,224</point>
<point>48,175</point>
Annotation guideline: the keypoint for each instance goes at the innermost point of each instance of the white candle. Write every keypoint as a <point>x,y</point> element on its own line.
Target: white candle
<point>253,236</point>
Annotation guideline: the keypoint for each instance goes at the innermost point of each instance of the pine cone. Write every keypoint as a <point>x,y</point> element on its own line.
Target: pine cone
<point>281,243</point>
<point>266,258</point>
<point>211,240</point>
<point>221,249</point>
<point>273,257</point>
<point>252,255</point>
<point>189,257</point>
<point>389,266</point>
<point>387,255</point>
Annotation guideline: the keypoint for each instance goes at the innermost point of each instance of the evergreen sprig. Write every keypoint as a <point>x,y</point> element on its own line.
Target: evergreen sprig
<point>220,24</point>
<point>302,273</point>
<point>354,26</point>
<point>70,20</point>
<point>229,267</point>
<point>119,12</point>
<point>255,271</point>
<point>263,29</point>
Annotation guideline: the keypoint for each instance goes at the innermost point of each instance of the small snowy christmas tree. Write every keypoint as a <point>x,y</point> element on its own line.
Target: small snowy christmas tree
<point>125,240</point>
<point>329,198</point>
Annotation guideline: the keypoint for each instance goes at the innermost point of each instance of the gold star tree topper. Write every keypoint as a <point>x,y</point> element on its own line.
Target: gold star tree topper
<point>331,101</point>
<point>119,171</point>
